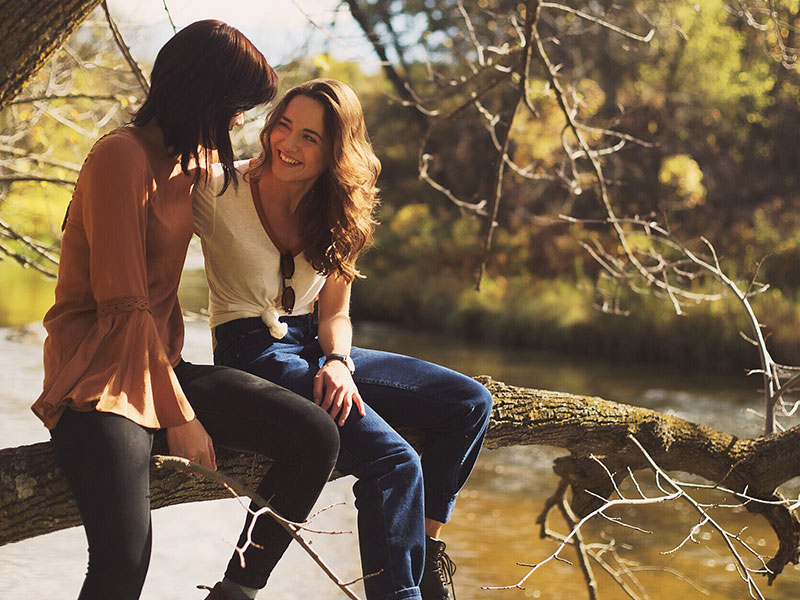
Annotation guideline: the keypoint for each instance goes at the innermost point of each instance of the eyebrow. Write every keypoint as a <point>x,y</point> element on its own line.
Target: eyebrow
<point>285,118</point>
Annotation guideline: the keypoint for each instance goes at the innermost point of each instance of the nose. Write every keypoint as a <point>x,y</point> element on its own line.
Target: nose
<point>291,142</point>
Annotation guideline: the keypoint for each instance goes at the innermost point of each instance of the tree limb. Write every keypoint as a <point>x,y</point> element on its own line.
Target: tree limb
<point>35,499</point>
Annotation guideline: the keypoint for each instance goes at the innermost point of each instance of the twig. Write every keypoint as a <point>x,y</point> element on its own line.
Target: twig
<point>169,16</point>
<point>48,98</point>
<point>126,52</point>
<point>639,38</point>
<point>531,19</point>
<point>744,571</point>
<point>580,549</point>
<point>22,178</point>
<point>186,466</point>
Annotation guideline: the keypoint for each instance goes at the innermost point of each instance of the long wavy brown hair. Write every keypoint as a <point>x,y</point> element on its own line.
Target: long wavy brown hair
<point>337,215</point>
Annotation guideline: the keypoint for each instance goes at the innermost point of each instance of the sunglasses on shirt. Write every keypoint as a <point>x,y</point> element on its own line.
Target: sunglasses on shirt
<point>287,291</point>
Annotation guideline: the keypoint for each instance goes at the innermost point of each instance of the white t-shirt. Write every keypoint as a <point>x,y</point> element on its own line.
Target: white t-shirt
<point>241,261</point>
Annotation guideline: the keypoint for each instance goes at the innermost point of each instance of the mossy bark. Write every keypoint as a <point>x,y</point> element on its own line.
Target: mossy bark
<point>35,499</point>
<point>30,33</point>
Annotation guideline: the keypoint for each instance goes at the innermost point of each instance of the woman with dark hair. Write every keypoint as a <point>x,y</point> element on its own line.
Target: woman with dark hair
<point>293,238</point>
<point>113,368</point>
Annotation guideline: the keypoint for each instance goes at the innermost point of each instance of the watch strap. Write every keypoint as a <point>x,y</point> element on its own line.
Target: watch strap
<point>341,357</point>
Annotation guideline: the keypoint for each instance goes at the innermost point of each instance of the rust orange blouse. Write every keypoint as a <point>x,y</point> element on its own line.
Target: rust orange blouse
<point>116,331</point>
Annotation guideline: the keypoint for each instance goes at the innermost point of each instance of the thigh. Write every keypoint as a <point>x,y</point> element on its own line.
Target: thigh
<point>367,442</point>
<point>246,412</point>
<point>291,362</point>
<point>106,459</point>
<point>409,392</point>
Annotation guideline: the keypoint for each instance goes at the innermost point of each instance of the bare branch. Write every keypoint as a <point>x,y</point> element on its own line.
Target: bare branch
<point>186,466</point>
<point>22,178</point>
<point>111,97</point>
<point>169,16</point>
<point>639,38</point>
<point>126,51</point>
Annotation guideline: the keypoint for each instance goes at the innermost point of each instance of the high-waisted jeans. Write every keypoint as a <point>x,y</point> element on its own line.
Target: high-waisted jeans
<point>396,489</point>
<point>106,459</point>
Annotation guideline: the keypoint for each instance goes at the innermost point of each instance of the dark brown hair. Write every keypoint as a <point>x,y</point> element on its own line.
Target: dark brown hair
<point>337,215</point>
<point>203,76</point>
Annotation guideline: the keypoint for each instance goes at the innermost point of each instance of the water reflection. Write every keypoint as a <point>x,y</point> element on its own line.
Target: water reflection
<point>26,294</point>
<point>494,525</point>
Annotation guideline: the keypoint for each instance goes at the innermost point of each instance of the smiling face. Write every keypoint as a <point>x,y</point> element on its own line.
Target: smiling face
<point>297,142</point>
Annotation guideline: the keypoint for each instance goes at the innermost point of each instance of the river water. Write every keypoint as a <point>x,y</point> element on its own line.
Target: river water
<point>494,525</point>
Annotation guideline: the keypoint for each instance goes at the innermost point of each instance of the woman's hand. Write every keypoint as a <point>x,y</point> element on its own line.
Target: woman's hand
<point>191,441</point>
<point>336,392</point>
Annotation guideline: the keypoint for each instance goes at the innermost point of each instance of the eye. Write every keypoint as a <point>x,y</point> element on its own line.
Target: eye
<point>282,124</point>
<point>311,138</point>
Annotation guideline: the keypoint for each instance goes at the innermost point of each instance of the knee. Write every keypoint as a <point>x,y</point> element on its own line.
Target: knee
<point>121,566</point>
<point>484,402</point>
<point>479,400</point>
<point>320,438</point>
<point>390,461</point>
<point>406,462</point>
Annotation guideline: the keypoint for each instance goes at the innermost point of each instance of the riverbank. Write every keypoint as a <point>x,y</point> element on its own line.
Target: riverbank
<point>516,313</point>
<point>559,315</point>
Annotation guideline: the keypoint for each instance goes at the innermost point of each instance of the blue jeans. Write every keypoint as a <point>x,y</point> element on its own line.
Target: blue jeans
<point>450,409</point>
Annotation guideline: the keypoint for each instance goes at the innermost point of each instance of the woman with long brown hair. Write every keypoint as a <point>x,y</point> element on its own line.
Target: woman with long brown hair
<point>113,368</point>
<point>291,241</point>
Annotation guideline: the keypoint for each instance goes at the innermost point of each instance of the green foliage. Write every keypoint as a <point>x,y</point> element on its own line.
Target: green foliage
<point>722,113</point>
<point>48,139</point>
<point>682,175</point>
<point>544,314</point>
<point>26,296</point>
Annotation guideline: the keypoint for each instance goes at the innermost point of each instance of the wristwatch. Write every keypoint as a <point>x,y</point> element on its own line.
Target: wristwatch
<point>348,362</point>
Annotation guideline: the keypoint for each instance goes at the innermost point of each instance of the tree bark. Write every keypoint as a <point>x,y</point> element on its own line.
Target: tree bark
<point>31,31</point>
<point>35,499</point>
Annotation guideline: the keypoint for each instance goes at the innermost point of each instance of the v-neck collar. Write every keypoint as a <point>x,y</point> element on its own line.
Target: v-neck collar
<point>262,216</point>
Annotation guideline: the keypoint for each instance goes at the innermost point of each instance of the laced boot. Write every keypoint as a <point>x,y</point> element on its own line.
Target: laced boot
<point>437,576</point>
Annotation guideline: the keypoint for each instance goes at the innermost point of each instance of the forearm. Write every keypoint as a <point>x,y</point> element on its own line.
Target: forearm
<point>336,334</point>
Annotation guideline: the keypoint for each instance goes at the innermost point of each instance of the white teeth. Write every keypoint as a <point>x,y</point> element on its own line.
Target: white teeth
<point>286,159</point>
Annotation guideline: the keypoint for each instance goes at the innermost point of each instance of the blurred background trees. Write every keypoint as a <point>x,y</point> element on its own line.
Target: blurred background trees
<point>692,110</point>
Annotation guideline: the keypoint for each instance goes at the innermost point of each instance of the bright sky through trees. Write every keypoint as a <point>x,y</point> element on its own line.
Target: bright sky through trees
<point>280,28</point>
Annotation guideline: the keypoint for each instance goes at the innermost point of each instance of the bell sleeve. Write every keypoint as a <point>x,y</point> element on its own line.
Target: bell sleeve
<point>121,364</point>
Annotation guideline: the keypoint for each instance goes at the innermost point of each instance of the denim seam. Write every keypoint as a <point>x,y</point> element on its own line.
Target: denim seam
<point>415,390</point>
<point>412,593</point>
<point>395,385</point>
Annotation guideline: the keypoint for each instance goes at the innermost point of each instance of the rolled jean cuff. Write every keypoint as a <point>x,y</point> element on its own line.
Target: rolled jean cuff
<point>411,593</point>
<point>439,505</point>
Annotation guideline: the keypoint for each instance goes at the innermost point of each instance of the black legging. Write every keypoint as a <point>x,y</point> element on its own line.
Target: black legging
<point>106,459</point>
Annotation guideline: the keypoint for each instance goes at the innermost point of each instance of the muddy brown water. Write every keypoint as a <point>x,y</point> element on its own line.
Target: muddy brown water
<point>494,526</point>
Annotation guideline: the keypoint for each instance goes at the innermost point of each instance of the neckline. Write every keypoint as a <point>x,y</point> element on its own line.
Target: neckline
<point>262,216</point>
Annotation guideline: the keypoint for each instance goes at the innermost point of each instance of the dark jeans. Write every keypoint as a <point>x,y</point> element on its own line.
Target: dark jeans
<point>106,460</point>
<point>396,489</point>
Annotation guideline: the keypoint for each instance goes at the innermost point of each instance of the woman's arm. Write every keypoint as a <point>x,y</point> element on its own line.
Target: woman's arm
<point>334,388</point>
<point>116,187</point>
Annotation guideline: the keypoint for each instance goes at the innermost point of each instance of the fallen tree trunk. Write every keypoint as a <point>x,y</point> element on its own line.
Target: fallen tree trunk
<point>35,499</point>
